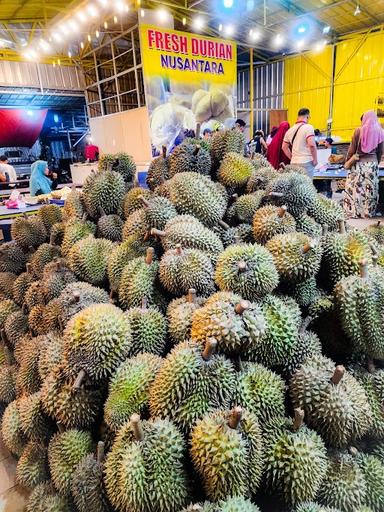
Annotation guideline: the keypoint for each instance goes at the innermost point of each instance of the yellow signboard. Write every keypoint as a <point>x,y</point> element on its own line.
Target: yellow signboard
<point>188,79</point>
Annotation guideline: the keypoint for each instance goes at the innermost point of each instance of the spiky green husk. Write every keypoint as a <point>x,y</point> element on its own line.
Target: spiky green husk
<point>103,191</point>
<point>28,380</point>
<point>87,486</point>
<point>245,207</point>
<point>120,255</point>
<point>187,386</point>
<point>236,504</point>
<point>189,158</point>
<point>28,232</point>
<point>339,412</point>
<point>304,293</point>
<point>314,507</point>
<point>43,255</point>
<point>51,353</point>
<point>179,315</point>
<point>158,211</point>
<point>35,320</point>
<point>260,178</point>
<point>307,344</point>
<point>298,192</point>
<point>258,278</point>
<point>261,391</point>
<point>138,281</point>
<point>295,460</point>
<point>270,221</point>
<point>7,280</point>
<point>197,195</point>
<point>56,277</point>
<point>232,235</point>
<point>34,295</point>
<point>110,227</point>
<point>96,340</point>
<point>7,307</point>
<point>44,499</point>
<point>34,423</point>
<point>123,163</point>
<point>344,485</point>
<point>158,172</point>
<point>21,286</point>
<point>65,451</point>
<point>15,326</point>
<point>74,205</point>
<point>136,225</point>
<point>32,467</point>
<point>72,408</point>
<point>88,259</point>
<point>50,214</point>
<point>373,385</point>
<point>294,263</point>
<point>57,233</point>
<point>149,330</point>
<point>132,200</point>
<point>373,471</point>
<point>12,258</point>
<point>376,232</point>
<point>7,383</point>
<point>228,460</point>
<point>129,389</point>
<point>305,224</point>
<point>75,231</point>
<point>326,212</point>
<point>223,142</point>
<point>182,269</point>
<point>235,170</point>
<point>11,431</point>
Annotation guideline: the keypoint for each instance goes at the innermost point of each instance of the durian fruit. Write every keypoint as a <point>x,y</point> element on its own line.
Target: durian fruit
<point>326,212</point>
<point>373,471</point>
<point>6,283</point>
<point>96,340</point>
<point>235,170</point>
<point>296,256</point>
<point>235,324</point>
<point>34,296</point>
<point>28,379</point>
<point>148,329</point>
<point>15,327</point>
<point>227,452</point>
<point>133,200</point>
<point>245,207</point>
<point>373,384</point>
<point>246,269</point>
<point>294,190</point>
<point>11,431</point>
<point>271,220</point>
<point>307,344</point>
<point>56,276</point>
<point>261,177</point>
<point>311,506</point>
<point>7,383</point>
<point>158,170</point>
<point>7,307</point>
<point>36,324</point>
<point>87,486</point>
<point>75,231</point>
<point>22,284</point>
<point>12,258</point>
<point>34,422</point>
<point>295,459</point>
<point>305,224</point>
<point>335,404</point>
<point>69,405</point>
<point>191,234</point>
<point>360,301</point>
<point>344,486</point>
<point>158,211</point>
<point>28,232</point>
<point>376,232</point>
<point>65,451</point>
<point>110,227</point>
<point>261,391</point>
<point>136,225</point>
<point>32,467</point>
<point>179,315</point>
<point>181,269</point>
<point>45,499</point>
<point>236,504</point>
<point>189,158</point>
<point>223,142</point>
<point>43,255</point>
<point>197,195</point>
<point>235,234</point>
<point>144,470</point>
<point>50,214</point>
<point>124,164</point>
<point>103,190</point>
<point>138,280</point>
<point>50,354</point>
<point>74,205</point>
<point>191,383</point>
<point>305,293</point>
<point>129,389</point>
<point>57,233</point>
<point>88,259</point>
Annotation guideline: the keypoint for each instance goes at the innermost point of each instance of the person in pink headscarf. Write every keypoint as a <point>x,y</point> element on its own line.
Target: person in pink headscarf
<point>362,184</point>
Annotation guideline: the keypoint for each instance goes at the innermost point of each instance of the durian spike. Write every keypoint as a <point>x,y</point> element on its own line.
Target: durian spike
<point>61,427</point>
<point>179,249</point>
<point>100,452</point>
<point>157,232</point>
<point>242,266</point>
<point>102,212</point>
<point>149,256</point>
<point>308,246</point>
<point>324,229</point>
<point>363,268</point>
<point>144,303</point>
<point>224,225</point>
<point>28,266</point>
<point>209,349</point>
<point>79,380</point>
<point>338,374</point>
<point>341,227</point>
<point>164,152</point>
<point>298,419</point>
<point>197,508</point>
<point>276,194</point>
<point>371,367</point>
<point>196,150</point>
<point>144,201</point>
<point>197,133</point>
<point>137,427</point>
<point>241,307</point>
<point>235,417</point>
<point>7,355</point>
<point>191,297</point>
<point>282,211</point>
<point>76,296</point>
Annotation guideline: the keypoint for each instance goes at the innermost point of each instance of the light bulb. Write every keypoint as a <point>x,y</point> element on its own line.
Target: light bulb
<point>69,54</point>
<point>254,35</point>
<point>220,27</point>
<point>228,3</point>
<point>198,23</point>
<point>57,37</point>
<point>162,15</point>
<point>82,45</point>
<point>184,21</point>
<point>115,19</point>
<point>229,30</point>
<point>97,34</point>
<point>326,29</point>
<point>92,11</point>
<point>81,16</point>
<point>89,37</point>
<point>105,24</point>
<point>278,41</point>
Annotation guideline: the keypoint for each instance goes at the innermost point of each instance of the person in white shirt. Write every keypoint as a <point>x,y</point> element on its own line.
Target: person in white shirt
<point>299,143</point>
<point>6,168</point>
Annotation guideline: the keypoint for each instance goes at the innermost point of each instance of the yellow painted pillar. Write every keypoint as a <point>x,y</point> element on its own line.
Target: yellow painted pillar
<point>251,92</point>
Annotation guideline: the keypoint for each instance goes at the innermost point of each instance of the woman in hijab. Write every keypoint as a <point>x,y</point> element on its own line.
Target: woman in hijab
<point>362,183</point>
<point>275,154</point>
<point>39,183</point>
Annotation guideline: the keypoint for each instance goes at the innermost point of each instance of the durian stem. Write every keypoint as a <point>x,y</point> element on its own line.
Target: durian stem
<point>363,269</point>
<point>378,223</point>
<point>371,365</point>
<point>61,427</point>
<point>28,266</point>
<point>223,224</point>
<point>237,239</point>
<point>149,256</point>
<point>191,295</point>
<point>276,194</point>
<point>137,427</point>
<point>136,182</point>
<point>298,419</point>
<point>242,266</point>
<point>353,451</point>
<point>338,374</point>
<point>341,227</point>
<point>84,217</point>
<point>144,303</point>
<point>144,201</point>
<point>100,452</point>
<point>198,128</point>
<point>76,296</point>
<point>73,187</point>
<point>52,239</point>
<point>196,150</point>
<point>235,417</point>
<point>324,228</point>
<point>308,246</point>
<point>111,294</point>
<point>179,249</point>
<point>241,307</point>
<point>79,380</point>
<point>375,259</point>
<point>61,325</point>
<point>102,212</point>
<point>25,216</point>
<point>164,152</point>
<point>157,232</point>
<point>282,211</point>
<point>235,197</point>
<point>209,349</point>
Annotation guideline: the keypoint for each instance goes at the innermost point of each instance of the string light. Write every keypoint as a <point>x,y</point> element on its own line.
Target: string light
<point>184,21</point>
<point>97,34</point>
<point>115,19</point>
<point>120,6</point>
<point>59,62</point>
<point>89,38</point>
<point>198,23</point>
<point>105,24</point>
<point>82,45</point>
<point>44,45</point>
<point>92,11</point>
<point>220,27</point>
<point>69,54</point>
<point>54,64</point>
<point>162,15</point>
<point>229,30</point>
<point>326,29</point>
<point>254,35</point>
<point>278,41</point>
<point>81,16</point>
<point>73,25</point>
<point>300,44</point>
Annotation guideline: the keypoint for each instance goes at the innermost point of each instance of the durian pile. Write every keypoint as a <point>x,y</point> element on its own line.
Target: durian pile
<point>212,343</point>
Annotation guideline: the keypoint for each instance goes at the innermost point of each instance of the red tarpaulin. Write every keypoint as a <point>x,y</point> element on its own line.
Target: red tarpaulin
<point>19,127</point>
